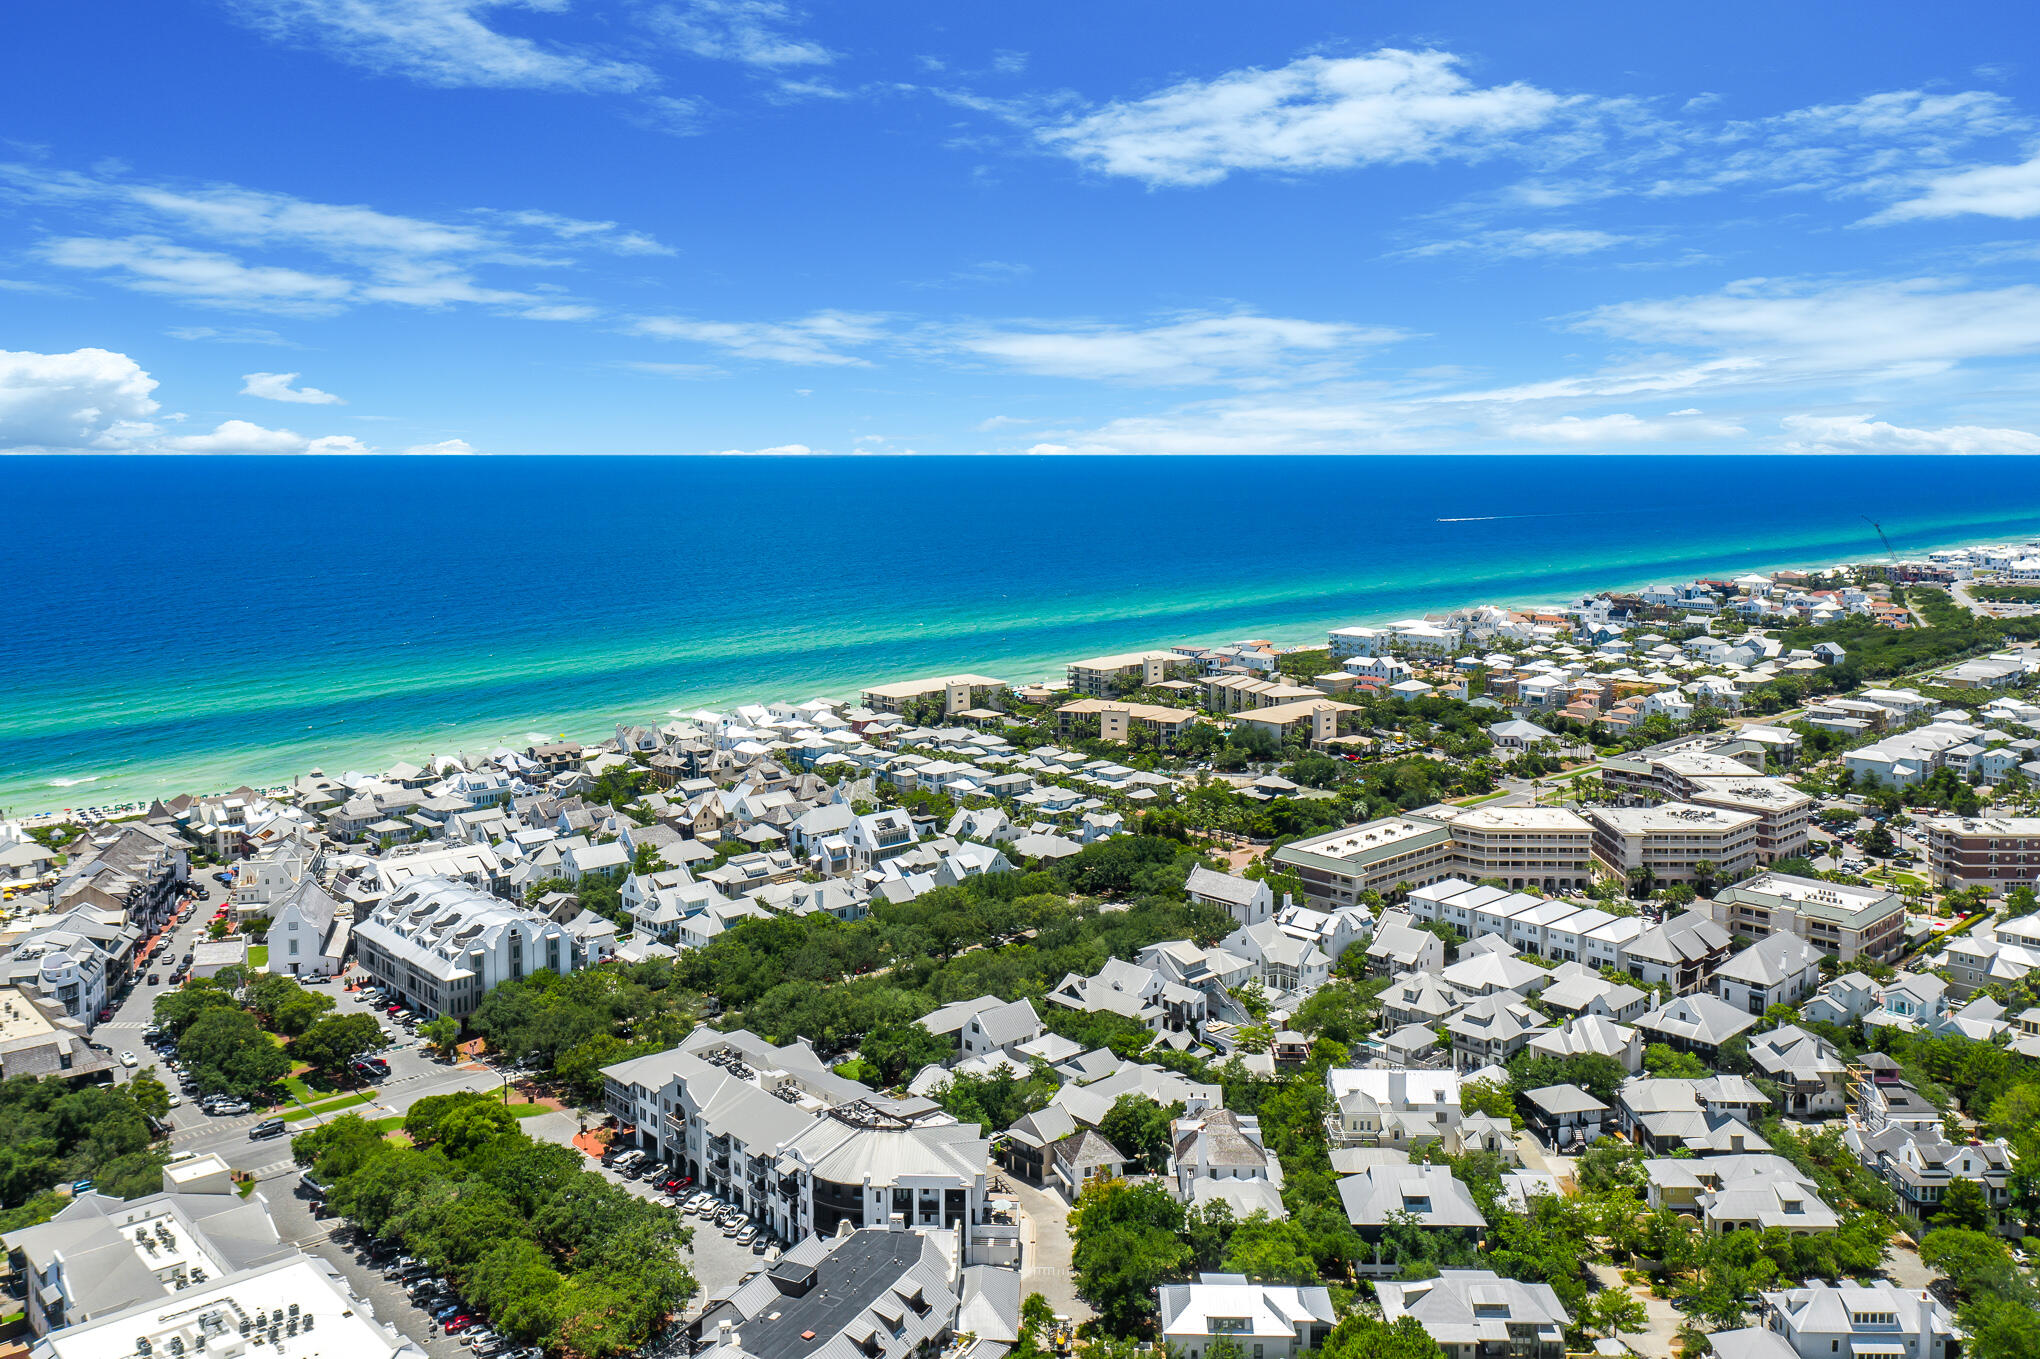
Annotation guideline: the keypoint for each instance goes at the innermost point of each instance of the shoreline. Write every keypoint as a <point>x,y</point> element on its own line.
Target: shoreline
<point>595,727</point>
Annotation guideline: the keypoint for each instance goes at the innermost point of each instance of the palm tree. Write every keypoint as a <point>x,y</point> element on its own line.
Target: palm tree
<point>1640,879</point>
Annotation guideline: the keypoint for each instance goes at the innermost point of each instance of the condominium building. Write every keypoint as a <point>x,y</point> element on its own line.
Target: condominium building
<point>1849,922</point>
<point>1671,839</point>
<point>1544,848</point>
<point>956,693</point>
<point>1716,778</point>
<point>1996,852</point>
<point>438,945</point>
<point>1107,720</point>
<point>1101,676</point>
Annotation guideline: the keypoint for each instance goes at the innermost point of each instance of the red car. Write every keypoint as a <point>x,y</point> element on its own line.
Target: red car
<point>459,1324</point>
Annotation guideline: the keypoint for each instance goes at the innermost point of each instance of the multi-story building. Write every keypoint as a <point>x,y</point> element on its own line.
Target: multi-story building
<point>1682,952</point>
<point>1105,676</point>
<point>803,1149</point>
<point>1478,1314</point>
<point>439,945</point>
<point>1848,922</point>
<point>882,1293</point>
<point>1779,969</point>
<point>1823,1320</point>
<point>1267,1321</point>
<point>1671,839</point>
<point>73,961</point>
<point>1545,848</point>
<point>1996,852</point>
<point>953,693</point>
<point>1109,720</point>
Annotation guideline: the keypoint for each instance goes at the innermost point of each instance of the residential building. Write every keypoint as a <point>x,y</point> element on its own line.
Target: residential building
<point>1428,1193</point>
<point>953,693</point>
<point>1698,1024</point>
<point>1526,847</point>
<point>1400,945</point>
<point>1592,1034</point>
<point>884,1292</point>
<point>1566,1116</point>
<point>1997,852</point>
<point>1919,1163</point>
<point>1846,921</point>
<point>1108,676</point>
<point>38,1039</point>
<point>985,1025</point>
<point>438,945</point>
<point>1478,1314</point>
<point>1263,1321</point>
<point>1673,839</point>
<point>1390,1107</point>
<point>1714,1115</point>
<point>1879,1318</point>
<point>1779,969</point>
<point>1811,1078</point>
<point>1248,901</point>
<point>1105,719</point>
<point>1681,952</point>
<point>1282,962</point>
<point>1217,1155</point>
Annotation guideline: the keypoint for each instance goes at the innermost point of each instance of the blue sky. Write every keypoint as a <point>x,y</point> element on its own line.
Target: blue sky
<point>692,226</point>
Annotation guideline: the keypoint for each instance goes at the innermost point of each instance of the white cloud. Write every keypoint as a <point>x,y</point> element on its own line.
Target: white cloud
<point>277,387</point>
<point>745,31</point>
<point>820,339</point>
<point>1317,113</point>
<point>1618,428</point>
<point>1863,434</point>
<point>1986,190</point>
<point>683,371</point>
<point>152,265</point>
<point>1003,422</point>
<point>1893,326</point>
<point>230,335</point>
<point>1194,349</point>
<point>440,42</point>
<point>367,255</point>
<point>239,436</point>
<point>777,451</point>
<point>443,447</point>
<point>88,398</point>
<point>602,235</point>
<point>1523,243</point>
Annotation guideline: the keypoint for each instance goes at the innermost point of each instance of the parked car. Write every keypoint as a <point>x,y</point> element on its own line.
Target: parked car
<point>128,1059</point>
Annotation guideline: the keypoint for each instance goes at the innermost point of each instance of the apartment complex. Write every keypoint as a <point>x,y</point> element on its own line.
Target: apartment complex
<point>1119,721</point>
<point>956,693</point>
<point>1997,852</point>
<point>1670,839</point>
<point>1544,848</point>
<point>439,945</point>
<point>1097,677</point>
<point>1849,922</point>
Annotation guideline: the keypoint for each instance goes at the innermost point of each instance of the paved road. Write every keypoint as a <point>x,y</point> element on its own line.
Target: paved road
<point>1046,1250</point>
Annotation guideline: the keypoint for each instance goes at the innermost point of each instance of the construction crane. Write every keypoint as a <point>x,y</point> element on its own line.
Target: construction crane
<point>1889,551</point>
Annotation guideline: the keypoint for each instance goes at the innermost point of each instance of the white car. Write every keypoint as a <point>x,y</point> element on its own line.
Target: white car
<point>176,1100</point>
<point>129,1059</point>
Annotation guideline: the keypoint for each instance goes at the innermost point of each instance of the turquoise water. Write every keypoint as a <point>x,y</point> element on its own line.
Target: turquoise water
<point>188,624</point>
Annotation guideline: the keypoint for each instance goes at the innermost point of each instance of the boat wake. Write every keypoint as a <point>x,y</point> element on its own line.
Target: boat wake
<point>73,783</point>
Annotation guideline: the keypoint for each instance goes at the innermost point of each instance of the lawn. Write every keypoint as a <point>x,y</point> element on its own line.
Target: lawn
<point>331,1106</point>
<point>1484,797</point>
<point>258,955</point>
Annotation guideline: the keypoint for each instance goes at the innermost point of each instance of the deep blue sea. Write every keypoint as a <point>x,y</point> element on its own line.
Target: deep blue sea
<point>188,624</point>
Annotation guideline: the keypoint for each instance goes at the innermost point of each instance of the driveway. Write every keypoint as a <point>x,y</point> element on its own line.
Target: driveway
<point>1655,1342</point>
<point>1045,1248</point>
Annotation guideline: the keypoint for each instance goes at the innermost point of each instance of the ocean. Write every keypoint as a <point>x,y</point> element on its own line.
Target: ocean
<point>190,624</point>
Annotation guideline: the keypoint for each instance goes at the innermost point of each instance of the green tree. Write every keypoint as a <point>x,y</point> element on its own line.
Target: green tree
<point>441,1033</point>
<point>899,1050</point>
<point>1965,1206</point>
<point>227,1052</point>
<point>1270,1251</point>
<point>1128,1240</point>
<point>330,1044</point>
<point>1139,1128</point>
<point>1662,1061</point>
<point>1612,1310</point>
